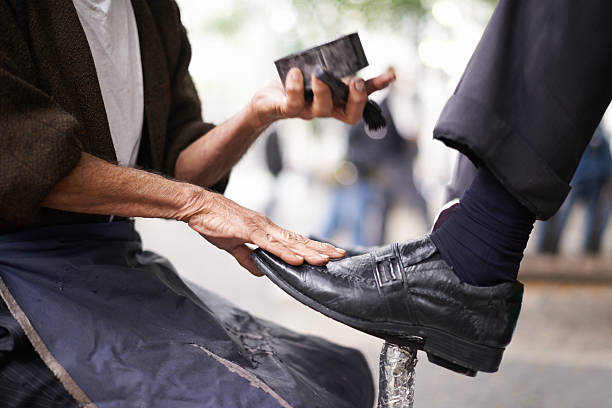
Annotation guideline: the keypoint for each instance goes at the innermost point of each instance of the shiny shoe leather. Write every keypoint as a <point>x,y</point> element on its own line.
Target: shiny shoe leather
<point>406,294</point>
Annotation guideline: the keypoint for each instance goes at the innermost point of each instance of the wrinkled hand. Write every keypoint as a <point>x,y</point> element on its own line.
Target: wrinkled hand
<point>273,103</point>
<point>230,226</point>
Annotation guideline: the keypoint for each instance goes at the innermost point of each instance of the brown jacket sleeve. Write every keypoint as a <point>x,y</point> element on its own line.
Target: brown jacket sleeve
<point>185,124</point>
<point>38,140</point>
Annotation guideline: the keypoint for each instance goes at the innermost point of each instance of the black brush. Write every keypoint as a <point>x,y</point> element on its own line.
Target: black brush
<point>341,57</point>
<point>372,113</point>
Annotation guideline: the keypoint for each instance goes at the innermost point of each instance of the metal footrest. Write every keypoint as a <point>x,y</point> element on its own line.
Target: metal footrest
<point>397,369</point>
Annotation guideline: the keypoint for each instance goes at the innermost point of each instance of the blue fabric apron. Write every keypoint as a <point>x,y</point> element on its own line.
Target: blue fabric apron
<point>120,329</point>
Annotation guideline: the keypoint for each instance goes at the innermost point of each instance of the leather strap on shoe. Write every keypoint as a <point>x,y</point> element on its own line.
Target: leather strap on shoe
<point>387,269</point>
<point>390,275</point>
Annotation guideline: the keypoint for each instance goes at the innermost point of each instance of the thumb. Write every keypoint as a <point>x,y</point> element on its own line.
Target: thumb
<point>242,253</point>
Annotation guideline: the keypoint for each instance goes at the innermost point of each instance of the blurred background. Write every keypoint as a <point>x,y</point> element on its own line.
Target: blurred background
<point>325,179</point>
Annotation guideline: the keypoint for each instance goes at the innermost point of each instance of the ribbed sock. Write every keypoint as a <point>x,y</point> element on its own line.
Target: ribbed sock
<point>485,236</point>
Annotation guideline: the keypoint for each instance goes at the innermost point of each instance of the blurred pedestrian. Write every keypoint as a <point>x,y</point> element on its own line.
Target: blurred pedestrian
<point>274,164</point>
<point>589,185</point>
<point>384,178</point>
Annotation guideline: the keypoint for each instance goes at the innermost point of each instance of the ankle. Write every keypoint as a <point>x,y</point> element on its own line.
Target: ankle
<point>484,237</point>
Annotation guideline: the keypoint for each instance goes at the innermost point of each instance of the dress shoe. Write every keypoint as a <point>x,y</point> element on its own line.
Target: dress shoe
<point>406,294</point>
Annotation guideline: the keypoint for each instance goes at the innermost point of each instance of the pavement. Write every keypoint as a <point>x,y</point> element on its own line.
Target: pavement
<point>570,268</point>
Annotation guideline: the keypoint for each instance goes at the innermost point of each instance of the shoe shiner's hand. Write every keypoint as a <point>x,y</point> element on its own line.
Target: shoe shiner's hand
<point>273,103</point>
<point>229,226</point>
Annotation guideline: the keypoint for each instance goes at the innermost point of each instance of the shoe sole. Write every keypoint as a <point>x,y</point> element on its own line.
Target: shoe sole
<point>442,348</point>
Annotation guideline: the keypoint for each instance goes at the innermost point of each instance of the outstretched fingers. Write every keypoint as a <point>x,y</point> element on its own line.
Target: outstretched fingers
<point>229,226</point>
<point>315,253</point>
<point>266,241</point>
<point>291,247</point>
<point>380,82</point>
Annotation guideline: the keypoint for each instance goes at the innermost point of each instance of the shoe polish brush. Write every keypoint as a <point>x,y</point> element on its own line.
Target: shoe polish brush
<point>374,121</point>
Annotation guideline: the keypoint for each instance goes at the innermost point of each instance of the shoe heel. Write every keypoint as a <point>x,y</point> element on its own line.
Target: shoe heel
<point>451,366</point>
<point>461,356</point>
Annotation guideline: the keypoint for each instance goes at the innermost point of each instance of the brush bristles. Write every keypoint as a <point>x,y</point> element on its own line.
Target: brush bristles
<point>373,117</point>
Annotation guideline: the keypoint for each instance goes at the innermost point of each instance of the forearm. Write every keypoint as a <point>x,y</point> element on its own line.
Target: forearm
<point>95,186</point>
<point>210,157</point>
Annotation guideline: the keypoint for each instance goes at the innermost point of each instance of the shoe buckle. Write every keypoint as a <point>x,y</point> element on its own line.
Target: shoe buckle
<point>387,270</point>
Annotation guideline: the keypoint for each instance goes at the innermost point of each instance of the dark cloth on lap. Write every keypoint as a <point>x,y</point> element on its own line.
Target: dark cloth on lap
<point>131,333</point>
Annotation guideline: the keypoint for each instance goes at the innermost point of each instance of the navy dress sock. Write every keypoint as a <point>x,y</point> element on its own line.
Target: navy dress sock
<point>485,236</point>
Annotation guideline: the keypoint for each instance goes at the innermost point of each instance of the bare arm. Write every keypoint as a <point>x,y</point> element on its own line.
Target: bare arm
<point>210,157</point>
<point>97,187</point>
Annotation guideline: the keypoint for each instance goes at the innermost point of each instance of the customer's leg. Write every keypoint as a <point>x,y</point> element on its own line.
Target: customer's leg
<point>532,95</point>
<point>524,111</point>
<point>486,235</point>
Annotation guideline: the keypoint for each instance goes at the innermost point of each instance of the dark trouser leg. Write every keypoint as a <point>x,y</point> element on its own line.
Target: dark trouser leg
<point>525,110</point>
<point>532,96</point>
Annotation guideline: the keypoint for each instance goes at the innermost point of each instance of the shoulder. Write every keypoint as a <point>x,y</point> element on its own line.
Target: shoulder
<point>167,19</point>
<point>166,14</point>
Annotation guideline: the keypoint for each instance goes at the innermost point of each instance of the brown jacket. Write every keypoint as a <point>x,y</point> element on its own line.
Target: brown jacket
<point>51,107</point>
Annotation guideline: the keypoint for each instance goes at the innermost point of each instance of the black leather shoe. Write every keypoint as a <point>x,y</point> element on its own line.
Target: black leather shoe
<point>406,294</point>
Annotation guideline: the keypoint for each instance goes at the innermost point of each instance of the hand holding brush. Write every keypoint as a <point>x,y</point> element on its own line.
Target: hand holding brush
<point>372,114</point>
<point>328,63</point>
